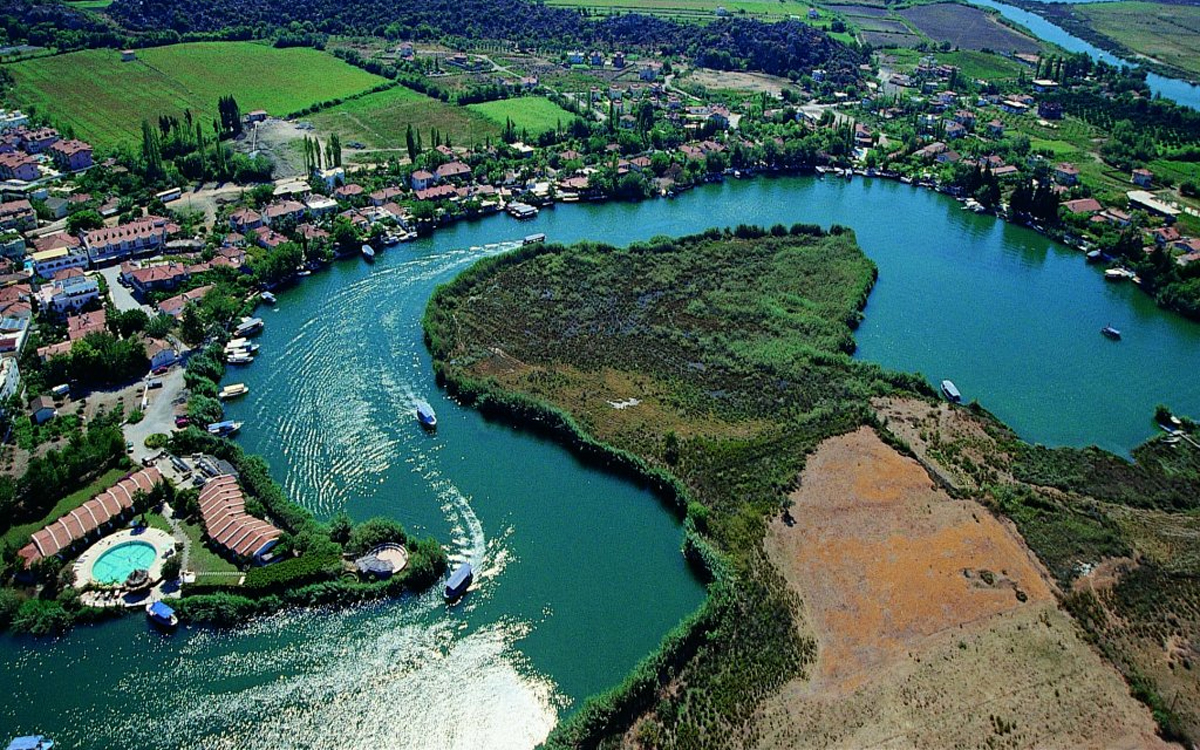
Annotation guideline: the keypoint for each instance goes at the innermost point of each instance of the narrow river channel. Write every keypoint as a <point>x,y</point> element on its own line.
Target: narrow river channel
<point>582,571</point>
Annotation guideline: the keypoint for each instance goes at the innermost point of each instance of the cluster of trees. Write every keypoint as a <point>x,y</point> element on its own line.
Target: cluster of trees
<point>178,150</point>
<point>50,476</point>
<point>316,157</point>
<point>1037,202</point>
<point>97,360</point>
<point>730,43</point>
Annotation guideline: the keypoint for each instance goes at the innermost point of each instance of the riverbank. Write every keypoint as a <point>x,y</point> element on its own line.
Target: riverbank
<point>1068,18</point>
<point>707,425</point>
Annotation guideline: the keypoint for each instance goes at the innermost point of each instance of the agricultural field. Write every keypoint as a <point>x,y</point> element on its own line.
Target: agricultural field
<point>380,120</point>
<point>105,100</point>
<point>967,27</point>
<point>692,10</point>
<point>973,64</point>
<point>1169,34</point>
<point>533,113</point>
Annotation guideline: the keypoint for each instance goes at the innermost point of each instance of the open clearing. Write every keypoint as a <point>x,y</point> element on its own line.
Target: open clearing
<point>719,80</point>
<point>105,100</point>
<point>935,625</point>
<point>1167,33</point>
<point>533,113</point>
<point>380,120</point>
<point>967,27</point>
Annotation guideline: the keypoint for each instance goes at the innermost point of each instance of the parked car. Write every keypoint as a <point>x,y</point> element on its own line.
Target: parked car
<point>129,446</point>
<point>154,384</point>
<point>181,422</point>
<point>160,370</point>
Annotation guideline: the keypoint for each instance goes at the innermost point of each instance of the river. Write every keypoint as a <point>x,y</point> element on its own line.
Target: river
<point>1179,91</point>
<point>582,573</point>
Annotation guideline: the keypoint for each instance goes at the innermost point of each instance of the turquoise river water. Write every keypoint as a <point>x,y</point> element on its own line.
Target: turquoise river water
<point>581,571</point>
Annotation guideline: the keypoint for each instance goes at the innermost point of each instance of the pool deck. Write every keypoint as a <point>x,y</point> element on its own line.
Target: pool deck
<point>162,543</point>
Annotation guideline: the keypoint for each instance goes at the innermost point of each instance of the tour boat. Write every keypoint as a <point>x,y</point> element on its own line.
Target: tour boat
<point>221,429</point>
<point>240,358</point>
<point>31,742</point>
<point>951,392</point>
<point>160,614</point>
<point>522,210</point>
<point>1111,332</point>
<point>1094,256</point>
<point>459,582</point>
<point>248,326</point>
<point>425,415</point>
<point>368,252</point>
<point>1116,274</point>
<point>240,346</point>
<point>233,391</point>
<point>534,239</point>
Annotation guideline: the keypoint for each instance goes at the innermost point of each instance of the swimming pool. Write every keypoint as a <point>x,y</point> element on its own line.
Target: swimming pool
<point>115,565</point>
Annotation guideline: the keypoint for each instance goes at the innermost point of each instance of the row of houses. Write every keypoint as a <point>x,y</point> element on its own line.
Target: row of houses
<point>21,147</point>
<point>93,518</point>
<point>229,526</point>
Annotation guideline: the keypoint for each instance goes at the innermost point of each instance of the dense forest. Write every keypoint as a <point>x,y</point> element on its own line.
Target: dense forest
<point>734,43</point>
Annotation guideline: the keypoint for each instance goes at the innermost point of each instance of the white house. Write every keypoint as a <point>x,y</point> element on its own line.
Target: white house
<point>70,293</point>
<point>10,378</point>
<point>47,262</point>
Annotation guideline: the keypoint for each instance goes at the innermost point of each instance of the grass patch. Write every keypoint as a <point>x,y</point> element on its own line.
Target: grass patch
<point>1167,33</point>
<point>18,534</point>
<point>533,113</point>
<point>380,120</point>
<point>201,559</point>
<point>105,100</point>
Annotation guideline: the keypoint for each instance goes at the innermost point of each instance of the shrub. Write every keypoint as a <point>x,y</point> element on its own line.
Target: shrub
<point>41,617</point>
<point>172,567</point>
<point>294,572</point>
<point>373,532</point>
<point>156,440</point>
<point>136,416</point>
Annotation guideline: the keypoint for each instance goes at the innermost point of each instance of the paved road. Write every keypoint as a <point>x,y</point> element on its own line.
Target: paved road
<point>121,296</point>
<point>159,410</point>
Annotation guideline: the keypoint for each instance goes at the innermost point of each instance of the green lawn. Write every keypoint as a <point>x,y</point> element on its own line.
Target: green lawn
<point>105,100</point>
<point>981,65</point>
<point>201,559</point>
<point>90,4</point>
<point>18,534</point>
<point>380,120</point>
<point>533,113</point>
<point>1168,33</point>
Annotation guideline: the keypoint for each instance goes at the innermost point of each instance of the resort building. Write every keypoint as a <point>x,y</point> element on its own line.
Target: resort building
<point>46,263</point>
<point>146,235</point>
<point>228,525</point>
<point>69,292</point>
<point>93,516</point>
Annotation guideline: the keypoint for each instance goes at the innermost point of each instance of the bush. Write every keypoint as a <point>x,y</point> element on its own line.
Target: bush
<point>135,416</point>
<point>156,440</point>
<point>294,572</point>
<point>10,602</point>
<point>371,533</point>
<point>41,617</point>
<point>172,567</point>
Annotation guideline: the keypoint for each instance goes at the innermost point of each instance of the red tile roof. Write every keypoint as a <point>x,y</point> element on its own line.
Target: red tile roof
<point>93,514</point>
<point>223,509</point>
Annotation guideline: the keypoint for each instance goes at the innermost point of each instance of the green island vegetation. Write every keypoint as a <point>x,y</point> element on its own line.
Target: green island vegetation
<point>737,345</point>
<point>104,100</point>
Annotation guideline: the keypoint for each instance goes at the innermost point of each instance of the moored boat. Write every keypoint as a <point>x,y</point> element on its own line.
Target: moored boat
<point>1111,332</point>
<point>31,742</point>
<point>241,346</point>
<point>520,210</point>
<point>268,298</point>
<point>248,327</point>
<point>534,239</point>
<point>233,391</point>
<point>368,252</point>
<point>222,429</point>
<point>1094,256</point>
<point>1116,274</point>
<point>950,391</point>
<point>459,581</point>
<point>239,358</point>
<point>425,415</point>
<point>162,615</point>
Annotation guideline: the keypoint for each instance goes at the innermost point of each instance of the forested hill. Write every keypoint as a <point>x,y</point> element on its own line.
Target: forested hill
<point>733,43</point>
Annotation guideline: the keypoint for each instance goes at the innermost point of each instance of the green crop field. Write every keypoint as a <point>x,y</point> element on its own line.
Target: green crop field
<point>533,113</point>
<point>105,100</point>
<point>1167,33</point>
<point>380,120</point>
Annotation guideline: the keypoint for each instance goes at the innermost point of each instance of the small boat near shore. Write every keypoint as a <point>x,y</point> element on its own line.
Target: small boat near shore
<point>233,391</point>
<point>162,615</point>
<point>1111,333</point>
<point>950,391</point>
<point>239,358</point>
<point>223,429</point>
<point>534,239</point>
<point>368,252</point>
<point>426,416</point>
<point>268,297</point>
<point>236,346</point>
<point>248,327</point>
<point>1117,274</point>
<point>459,582</point>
